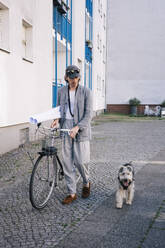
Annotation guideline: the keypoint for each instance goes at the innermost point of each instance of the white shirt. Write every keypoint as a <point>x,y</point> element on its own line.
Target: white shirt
<point>72,99</point>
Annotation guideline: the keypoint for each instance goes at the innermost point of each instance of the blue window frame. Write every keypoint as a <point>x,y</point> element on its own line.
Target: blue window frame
<point>88,43</point>
<point>62,24</point>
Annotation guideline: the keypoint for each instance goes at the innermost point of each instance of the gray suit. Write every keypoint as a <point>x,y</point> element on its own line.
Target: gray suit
<point>82,110</point>
<point>76,152</point>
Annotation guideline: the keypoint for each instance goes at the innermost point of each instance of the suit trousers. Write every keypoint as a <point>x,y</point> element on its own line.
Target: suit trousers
<point>75,155</point>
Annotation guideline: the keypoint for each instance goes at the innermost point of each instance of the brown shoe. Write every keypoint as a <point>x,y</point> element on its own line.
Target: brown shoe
<point>86,191</point>
<point>69,199</point>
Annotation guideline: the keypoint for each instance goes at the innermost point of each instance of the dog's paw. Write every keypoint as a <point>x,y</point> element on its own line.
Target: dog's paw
<point>128,202</point>
<point>119,206</point>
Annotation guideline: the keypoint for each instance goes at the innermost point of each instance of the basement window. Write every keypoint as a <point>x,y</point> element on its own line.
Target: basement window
<point>24,135</point>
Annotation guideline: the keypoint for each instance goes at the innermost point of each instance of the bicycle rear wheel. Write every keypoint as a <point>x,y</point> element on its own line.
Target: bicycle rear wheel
<point>42,181</point>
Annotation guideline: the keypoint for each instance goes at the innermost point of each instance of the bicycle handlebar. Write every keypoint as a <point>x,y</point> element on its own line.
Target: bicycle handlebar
<point>53,129</point>
<point>60,129</point>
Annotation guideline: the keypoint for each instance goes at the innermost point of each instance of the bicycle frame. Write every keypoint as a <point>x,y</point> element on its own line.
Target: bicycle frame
<point>49,151</point>
<point>42,164</point>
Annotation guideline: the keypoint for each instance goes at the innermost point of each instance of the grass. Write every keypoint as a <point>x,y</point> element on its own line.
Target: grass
<point>151,224</point>
<point>108,117</point>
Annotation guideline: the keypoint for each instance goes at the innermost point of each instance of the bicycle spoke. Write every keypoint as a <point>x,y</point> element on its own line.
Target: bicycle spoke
<point>42,181</point>
<point>46,173</point>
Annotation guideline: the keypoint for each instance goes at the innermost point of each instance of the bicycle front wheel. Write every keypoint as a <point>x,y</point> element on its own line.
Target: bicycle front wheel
<point>42,181</point>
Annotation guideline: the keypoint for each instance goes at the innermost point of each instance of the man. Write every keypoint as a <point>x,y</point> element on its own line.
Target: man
<point>76,113</point>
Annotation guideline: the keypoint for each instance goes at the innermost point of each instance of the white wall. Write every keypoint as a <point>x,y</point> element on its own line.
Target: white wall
<point>136,54</point>
<point>98,64</point>
<point>78,34</point>
<point>25,87</point>
<point>22,87</point>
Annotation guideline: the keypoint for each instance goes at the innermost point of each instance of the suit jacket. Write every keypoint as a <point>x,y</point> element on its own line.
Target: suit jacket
<point>82,110</point>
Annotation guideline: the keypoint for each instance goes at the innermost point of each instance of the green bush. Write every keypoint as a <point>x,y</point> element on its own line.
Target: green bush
<point>163,104</point>
<point>134,101</point>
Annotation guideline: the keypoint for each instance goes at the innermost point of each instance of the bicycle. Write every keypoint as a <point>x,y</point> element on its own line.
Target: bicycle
<point>47,171</point>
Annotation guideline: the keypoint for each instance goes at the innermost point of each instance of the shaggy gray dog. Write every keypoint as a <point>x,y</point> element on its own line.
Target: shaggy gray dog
<point>126,185</point>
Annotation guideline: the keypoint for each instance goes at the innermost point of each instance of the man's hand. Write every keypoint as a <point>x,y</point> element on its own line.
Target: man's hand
<point>74,131</point>
<point>55,123</point>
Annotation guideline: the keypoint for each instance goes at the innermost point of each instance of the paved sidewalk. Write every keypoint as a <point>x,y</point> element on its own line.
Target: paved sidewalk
<point>141,225</point>
<point>113,144</point>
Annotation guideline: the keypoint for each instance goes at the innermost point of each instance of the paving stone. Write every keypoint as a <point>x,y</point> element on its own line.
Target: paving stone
<point>113,144</point>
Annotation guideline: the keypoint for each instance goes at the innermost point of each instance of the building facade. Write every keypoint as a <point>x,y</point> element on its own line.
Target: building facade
<point>135,53</point>
<point>38,39</point>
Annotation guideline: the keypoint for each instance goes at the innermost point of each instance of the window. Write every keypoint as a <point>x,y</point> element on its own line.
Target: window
<point>101,10</point>
<point>69,11</point>
<point>104,54</point>
<point>27,41</point>
<point>79,63</point>
<point>100,46</point>
<point>90,28</point>
<point>4,27</point>
<point>98,42</point>
<point>104,21</point>
<point>99,5</point>
<point>87,74</point>
<point>98,83</point>
<point>87,27</point>
<point>103,88</point>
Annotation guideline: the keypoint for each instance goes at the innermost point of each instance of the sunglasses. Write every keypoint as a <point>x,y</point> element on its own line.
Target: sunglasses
<point>70,72</point>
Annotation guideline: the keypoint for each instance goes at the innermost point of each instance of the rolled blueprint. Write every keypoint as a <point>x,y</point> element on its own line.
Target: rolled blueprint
<point>51,114</point>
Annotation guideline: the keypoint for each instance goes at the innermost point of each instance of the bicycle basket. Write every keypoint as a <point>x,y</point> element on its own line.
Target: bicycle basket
<point>48,145</point>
